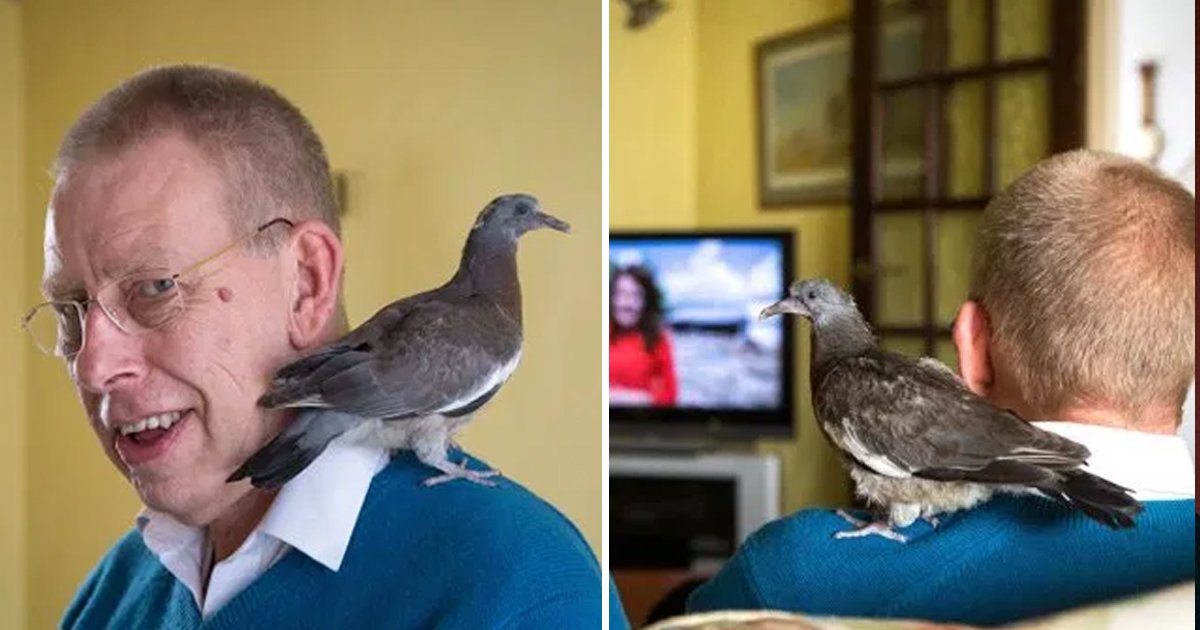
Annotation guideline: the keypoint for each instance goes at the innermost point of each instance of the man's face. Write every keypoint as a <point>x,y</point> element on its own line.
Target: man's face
<point>153,208</point>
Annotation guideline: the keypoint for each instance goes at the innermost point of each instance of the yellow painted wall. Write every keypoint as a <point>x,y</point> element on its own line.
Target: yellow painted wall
<point>12,303</point>
<point>696,64</point>
<point>728,198</point>
<point>652,119</point>
<point>434,107</point>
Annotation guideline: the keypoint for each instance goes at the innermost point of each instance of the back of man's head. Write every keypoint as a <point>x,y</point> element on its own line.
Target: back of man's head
<point>273,161</point>
<point>1086,268</point>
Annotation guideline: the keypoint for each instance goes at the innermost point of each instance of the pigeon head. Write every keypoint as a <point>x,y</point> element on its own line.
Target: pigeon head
<point>511,216</point>
<point>817,300</point>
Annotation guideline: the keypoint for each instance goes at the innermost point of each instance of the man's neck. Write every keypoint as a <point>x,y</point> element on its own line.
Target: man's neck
<point>231,529</point>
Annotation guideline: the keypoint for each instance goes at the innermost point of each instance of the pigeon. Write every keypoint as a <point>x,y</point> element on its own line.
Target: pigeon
<point>415,372</point>
<point>918,443</point>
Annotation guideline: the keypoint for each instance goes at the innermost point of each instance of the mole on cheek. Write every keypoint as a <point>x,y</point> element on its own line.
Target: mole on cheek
<point>225,293</point>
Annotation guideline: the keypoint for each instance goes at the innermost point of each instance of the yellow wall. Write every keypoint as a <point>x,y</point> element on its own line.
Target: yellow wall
<point>652,119</point>
<point>647,72</point>
<point>434,107</point>
<point>12,303</point>
<point>728,197</point>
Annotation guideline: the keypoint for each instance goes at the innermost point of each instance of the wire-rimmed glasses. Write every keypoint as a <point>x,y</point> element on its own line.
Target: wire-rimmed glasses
<point>137,304</point>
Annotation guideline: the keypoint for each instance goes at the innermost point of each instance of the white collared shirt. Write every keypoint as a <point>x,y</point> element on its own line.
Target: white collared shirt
<point>1154,466</point>
<point>314,513</point>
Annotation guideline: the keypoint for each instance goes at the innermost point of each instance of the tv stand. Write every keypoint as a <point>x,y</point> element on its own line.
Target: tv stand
<point>754,476</point>
<point>676,513</point>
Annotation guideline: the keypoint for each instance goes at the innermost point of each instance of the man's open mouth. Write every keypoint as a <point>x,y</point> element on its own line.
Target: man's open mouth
<point>151,429</point>
<point>152,436</point>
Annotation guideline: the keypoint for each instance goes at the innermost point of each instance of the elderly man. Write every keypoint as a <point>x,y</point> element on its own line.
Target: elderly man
<point>1083,313</point>
<point>191,249</point>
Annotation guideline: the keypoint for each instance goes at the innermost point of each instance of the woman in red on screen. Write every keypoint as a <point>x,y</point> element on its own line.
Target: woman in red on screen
<point>641,369</point>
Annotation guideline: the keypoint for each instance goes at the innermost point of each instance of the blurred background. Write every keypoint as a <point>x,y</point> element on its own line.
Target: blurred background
<point>429,109</point>
<point>729,116</point>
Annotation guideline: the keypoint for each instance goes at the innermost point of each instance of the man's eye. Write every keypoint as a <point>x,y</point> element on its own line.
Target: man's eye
<point>154,288</point>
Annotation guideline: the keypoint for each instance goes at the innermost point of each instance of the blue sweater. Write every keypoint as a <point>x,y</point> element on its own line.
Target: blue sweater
<point>1009,559</point>
<point>456,556</point>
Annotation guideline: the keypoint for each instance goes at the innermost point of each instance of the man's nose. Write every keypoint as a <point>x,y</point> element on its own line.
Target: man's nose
<point>109,357</point>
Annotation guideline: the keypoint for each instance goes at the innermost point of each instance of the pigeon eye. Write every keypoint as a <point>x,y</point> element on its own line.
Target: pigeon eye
<point>522,209</point>
<point>812,295</point>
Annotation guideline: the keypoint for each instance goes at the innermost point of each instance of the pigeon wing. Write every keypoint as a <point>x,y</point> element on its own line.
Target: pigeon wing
<point>902,417</point>
<point>297,383</point>
<point>409,360</point>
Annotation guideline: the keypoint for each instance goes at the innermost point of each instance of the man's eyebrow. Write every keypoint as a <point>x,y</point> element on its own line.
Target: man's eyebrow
<point>150,257</point>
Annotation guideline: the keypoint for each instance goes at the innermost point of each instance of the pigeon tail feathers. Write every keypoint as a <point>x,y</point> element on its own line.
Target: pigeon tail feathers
<point>1098,498</point>
<point>294,448</point>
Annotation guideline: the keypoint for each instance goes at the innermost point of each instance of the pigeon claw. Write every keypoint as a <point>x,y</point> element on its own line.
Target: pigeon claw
<point>452,472</point>
<point>873,529</point>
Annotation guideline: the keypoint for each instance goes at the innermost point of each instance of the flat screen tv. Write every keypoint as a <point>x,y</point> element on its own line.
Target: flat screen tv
<point>688,356</point>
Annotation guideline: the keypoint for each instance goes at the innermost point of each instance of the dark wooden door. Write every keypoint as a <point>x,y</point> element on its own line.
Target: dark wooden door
<point>952,100</point>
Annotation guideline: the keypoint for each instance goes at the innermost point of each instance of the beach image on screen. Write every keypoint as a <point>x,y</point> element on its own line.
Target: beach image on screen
<point>706,348</point>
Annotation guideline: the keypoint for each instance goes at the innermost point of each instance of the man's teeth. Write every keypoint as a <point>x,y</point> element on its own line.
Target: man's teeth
<point>161,421</point>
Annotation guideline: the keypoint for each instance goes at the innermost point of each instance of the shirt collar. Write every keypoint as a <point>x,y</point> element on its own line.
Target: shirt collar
<point>1155,467</point>
<point>315,512</point>
<point>182,549</point>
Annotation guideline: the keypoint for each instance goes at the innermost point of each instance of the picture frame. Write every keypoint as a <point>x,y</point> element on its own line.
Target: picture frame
<point>804,120</point>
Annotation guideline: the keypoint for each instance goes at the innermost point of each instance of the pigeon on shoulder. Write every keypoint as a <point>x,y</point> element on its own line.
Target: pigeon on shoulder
<point>918,443</point>
<point>413,374</point>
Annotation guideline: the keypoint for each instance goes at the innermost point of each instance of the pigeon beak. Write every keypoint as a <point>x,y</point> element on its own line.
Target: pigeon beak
<point>554,223</point>
<point>788,304</point>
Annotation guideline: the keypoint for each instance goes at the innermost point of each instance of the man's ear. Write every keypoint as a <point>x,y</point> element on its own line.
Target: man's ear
<point>318,257</point>
<point>972,338</point>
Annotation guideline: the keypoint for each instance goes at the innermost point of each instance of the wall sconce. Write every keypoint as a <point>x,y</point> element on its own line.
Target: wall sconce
<point>643,12</point>
<point>1150,135</point>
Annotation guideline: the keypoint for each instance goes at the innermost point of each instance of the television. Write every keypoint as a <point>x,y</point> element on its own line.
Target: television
<point>688,356</point>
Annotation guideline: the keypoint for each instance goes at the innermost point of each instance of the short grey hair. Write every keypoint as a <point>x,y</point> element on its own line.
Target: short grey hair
<point>1086,267</point>
<point>273,161</point>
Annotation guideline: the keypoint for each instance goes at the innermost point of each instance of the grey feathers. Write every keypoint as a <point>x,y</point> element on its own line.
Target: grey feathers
<point>296,447</point>
<point>926,423</point>
<point>446,352</point>
<point>421,365</point>
<point>918,441</point>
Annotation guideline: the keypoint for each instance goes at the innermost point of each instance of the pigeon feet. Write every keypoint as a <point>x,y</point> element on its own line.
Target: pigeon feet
<point>863,528</point>
<point>932,520</point>
<point>450,472</point>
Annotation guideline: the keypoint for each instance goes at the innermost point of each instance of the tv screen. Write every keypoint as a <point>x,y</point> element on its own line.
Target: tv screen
<point>687,352</point>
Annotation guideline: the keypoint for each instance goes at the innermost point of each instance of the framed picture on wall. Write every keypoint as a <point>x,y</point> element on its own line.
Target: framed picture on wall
<point>802,80</point>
